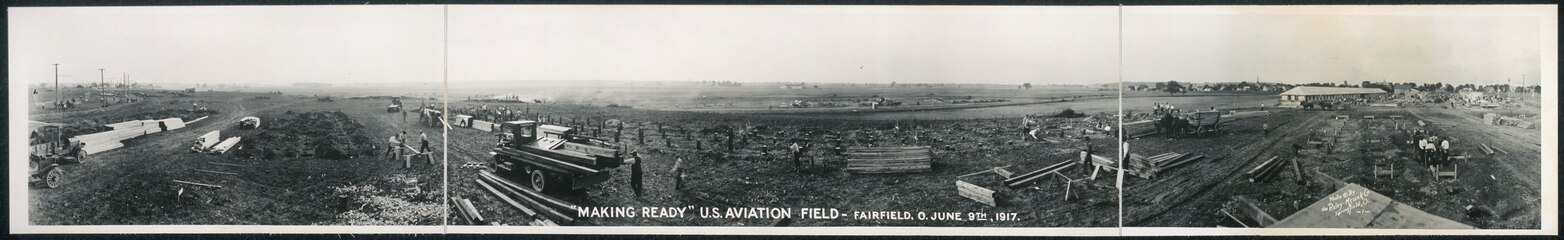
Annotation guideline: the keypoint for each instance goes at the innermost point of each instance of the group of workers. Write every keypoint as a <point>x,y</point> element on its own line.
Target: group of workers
<point>1431,149</point>
<point>394,148</point>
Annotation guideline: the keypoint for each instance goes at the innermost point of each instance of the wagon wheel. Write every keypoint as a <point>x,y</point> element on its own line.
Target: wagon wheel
<point>53,178</point>
<point>538,179</point>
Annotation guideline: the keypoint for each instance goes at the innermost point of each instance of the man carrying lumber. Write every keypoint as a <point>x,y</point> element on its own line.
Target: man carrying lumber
<point>395,148</point>
<point>635,173</point>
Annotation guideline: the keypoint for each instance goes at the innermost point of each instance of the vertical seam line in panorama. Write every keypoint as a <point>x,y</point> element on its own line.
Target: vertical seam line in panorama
<point>445,130</point>
<point>1120,70</point>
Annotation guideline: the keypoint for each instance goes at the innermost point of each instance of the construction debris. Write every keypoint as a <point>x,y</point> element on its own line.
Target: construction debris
<point>889,159</point>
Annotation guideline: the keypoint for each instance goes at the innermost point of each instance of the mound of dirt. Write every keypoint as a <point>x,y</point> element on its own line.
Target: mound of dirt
<point>325,135</point>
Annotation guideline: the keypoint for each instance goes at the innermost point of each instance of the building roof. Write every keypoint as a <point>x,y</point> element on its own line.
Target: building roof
<point>1307,90</point>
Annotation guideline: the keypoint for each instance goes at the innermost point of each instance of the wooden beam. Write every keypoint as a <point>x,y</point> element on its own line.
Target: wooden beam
<point>216,172</point>
<point>504,198</point>
<point>198,184</point>
<point>227,164</point>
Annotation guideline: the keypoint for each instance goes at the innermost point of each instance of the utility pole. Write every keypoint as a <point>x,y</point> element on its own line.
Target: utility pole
<point>57,81</point>
<point>102,84</point>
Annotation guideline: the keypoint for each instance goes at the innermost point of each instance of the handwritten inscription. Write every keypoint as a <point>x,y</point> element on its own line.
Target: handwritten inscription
<point>1347,202</point>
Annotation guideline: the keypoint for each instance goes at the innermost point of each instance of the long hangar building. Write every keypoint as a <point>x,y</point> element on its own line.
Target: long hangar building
<point>1296,96</point>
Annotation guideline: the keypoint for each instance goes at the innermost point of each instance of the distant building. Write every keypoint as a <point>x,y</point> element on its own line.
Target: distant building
<point>1298,95</point>
<point>792,86</point>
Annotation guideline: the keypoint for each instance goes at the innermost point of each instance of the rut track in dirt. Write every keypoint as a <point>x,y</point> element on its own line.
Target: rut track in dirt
<point>1203,192</point>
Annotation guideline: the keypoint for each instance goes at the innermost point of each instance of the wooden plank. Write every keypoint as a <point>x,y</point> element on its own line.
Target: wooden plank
<point>198,184</point>
<point>1038,174</point>
<point>504,198</point>
<point>1182,161</point>
<point>227,164</point>
<point>473,211</point>
<point>994,170</point>
<point>542,209</point>
<point>887,148</point>
<point>215,172</point>
<point>1249,208</point>
<point>1258,168</point>
<point>552,202</point>
<point>975,192</point>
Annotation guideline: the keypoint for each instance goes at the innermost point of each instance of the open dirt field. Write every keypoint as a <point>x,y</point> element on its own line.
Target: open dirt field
<point>745,177</point>
<point>1501,190</point>
<point>134,185</point>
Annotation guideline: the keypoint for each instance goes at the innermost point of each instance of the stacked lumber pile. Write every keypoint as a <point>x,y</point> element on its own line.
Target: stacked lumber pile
<point>1265,170</point>
<point>889,159</point>
<point>540,210</point>
<point>1148,167</point>
<point>109,140</point>
<point>483,125</point>
<point>223,147</point>
<point>463,120</point>
<point>206,141</point>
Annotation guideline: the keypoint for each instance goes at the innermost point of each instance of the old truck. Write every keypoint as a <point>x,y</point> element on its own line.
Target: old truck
<point>46,153</point>
<point>553,158</point>
<point>396,105</point>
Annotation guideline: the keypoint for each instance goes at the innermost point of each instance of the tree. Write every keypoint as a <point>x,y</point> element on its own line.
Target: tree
<point>1026,85</point>
<point>1173,87</point>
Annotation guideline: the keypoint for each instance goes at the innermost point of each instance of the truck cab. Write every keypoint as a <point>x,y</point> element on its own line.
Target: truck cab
<point>553,157</point>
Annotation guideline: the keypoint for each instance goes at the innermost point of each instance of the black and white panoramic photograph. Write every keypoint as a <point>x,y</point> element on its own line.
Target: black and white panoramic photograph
<point>1334,117</point>
<point>783,115</point>
<point>859,120</point>
<point>229,115</point>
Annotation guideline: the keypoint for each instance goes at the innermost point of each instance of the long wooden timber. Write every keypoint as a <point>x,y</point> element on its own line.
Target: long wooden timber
<point>975,192</point>
<point>506,198</point>
<point>546,162</point>
<point>1023,179</point>
<point>516,191</point>
<point>1265,170</point>
<point>889,159</point>
<point>550,201</point>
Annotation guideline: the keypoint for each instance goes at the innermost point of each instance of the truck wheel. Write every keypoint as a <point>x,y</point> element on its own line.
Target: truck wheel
<point>53,178</point>
<point>538,179</point>
<point>81,156</point>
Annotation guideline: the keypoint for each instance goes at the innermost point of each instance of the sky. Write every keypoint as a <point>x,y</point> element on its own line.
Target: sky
<point>833,44</point>
<point>823,44</point>
<point>235,45</point>
<point>1421,44</point>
